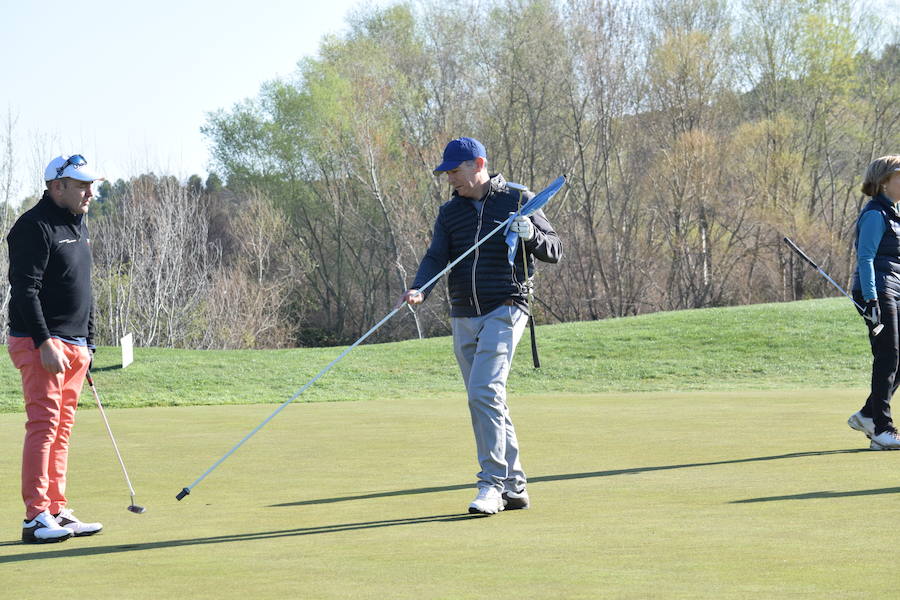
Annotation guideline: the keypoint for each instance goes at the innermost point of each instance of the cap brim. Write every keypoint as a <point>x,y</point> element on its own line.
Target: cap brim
<point>447,165</point>
<point>80,174</point>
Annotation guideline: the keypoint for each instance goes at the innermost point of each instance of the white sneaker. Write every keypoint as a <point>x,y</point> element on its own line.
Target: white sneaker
<point>43,529</point>
<point>516,500</point>
<point>67,519</point>
<point>487,502</point>
<point>886,440</point>
<point>860,423</point>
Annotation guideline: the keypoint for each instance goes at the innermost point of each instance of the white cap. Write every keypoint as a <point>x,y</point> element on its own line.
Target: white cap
<point>74,167</point>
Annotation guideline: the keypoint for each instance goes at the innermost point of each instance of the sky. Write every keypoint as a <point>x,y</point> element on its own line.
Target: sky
<point>129,84</point>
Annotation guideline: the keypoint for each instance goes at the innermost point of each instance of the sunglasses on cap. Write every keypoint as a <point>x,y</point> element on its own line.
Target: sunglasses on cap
<point>76,160</point>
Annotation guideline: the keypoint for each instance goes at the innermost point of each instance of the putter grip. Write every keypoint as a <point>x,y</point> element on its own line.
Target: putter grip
<point>184,492</point>
<point>535,359</point>
<point>800,252</point>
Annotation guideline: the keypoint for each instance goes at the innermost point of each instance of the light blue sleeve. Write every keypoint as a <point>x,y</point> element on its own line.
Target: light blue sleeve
<point>871,228</point>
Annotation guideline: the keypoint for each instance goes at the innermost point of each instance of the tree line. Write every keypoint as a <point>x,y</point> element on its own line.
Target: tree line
<point>694,135</point>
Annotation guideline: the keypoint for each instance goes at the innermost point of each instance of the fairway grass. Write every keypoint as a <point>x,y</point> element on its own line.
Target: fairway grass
<point>705,494</point>
<point>763,346</point>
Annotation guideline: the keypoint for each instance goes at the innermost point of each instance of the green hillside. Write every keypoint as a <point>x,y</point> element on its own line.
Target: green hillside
<point>814,343</point>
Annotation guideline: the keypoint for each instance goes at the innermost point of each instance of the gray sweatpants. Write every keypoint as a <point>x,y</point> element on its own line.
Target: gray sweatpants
<point>484,348</point>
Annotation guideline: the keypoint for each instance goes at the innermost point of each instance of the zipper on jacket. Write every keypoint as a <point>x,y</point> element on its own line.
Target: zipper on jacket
<point>475,260</point>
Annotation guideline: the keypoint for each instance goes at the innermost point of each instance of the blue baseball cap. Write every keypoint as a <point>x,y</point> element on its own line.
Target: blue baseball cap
<point>459,151</point>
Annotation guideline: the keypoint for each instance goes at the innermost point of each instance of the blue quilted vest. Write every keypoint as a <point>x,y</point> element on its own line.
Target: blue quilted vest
<point>887,258</point>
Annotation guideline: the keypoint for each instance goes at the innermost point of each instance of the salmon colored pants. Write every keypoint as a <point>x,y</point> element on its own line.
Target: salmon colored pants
<point>50,403</point>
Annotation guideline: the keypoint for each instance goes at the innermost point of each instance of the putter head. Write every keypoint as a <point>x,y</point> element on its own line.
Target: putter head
<point>877,329</point>
<point>516,186</point>
<point>138,510</point>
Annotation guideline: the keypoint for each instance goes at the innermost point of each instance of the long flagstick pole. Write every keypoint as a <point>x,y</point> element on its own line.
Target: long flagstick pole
<point>187,490</point>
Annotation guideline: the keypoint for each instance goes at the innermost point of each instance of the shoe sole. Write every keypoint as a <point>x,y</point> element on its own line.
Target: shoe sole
<point>30,539</point>
<point>477,511</point>
<point>876,446</point>
<point>86,533</point>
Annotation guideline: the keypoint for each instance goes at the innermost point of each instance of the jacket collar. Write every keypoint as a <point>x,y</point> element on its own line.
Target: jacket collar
<point>498,183</point>
<point>48,206</point>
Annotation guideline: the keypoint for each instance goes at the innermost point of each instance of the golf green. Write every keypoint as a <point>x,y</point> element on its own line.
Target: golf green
<point>751,494</point>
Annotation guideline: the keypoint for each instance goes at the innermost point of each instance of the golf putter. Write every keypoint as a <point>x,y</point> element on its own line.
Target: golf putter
<point>875,330</point>
<point>536,360</point>
<point>135,508</point>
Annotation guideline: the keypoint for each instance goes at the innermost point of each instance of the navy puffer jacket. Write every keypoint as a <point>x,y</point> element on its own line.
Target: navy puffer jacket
<point>484,279</point>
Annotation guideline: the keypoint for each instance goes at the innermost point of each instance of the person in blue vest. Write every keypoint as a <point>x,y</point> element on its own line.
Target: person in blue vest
<point>488,307</point>
<point>876,287</point>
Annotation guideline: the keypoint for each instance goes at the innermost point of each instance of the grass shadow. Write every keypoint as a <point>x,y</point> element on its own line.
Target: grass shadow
<point>820,495</point>
<point>70,550</point>
<point>570,476</point>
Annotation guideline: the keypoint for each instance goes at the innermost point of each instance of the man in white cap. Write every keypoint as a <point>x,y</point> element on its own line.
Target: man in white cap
<point>51,339</point>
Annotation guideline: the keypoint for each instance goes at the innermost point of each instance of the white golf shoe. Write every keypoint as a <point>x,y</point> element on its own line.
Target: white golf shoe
<point>68,520</point>
<point>860,423</point>
<point>886,440</point>
<point>43,529</point>
<point>516,500</point>
<point>487,502</point>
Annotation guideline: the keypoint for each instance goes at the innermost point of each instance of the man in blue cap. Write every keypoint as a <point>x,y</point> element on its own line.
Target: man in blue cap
<point>489,307</point>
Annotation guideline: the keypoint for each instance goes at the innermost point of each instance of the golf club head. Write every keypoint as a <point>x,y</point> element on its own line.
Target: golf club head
<point>877,329</point>
<point>138,510</point>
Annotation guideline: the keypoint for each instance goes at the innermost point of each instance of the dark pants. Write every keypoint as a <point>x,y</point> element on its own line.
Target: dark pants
<point>885,363</point>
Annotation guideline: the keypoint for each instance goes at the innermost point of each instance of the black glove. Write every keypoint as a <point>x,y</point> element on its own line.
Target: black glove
<point>872,313</point>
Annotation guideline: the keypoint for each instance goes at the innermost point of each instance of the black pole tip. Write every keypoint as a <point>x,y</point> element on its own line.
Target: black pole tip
<point>184,492</point>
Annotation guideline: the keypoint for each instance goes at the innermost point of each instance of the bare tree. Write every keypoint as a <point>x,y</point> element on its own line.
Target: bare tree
<point>8,186</point>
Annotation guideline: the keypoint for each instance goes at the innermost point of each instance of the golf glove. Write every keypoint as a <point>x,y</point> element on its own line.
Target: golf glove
<point>872,313</point>
<point>523,226</point>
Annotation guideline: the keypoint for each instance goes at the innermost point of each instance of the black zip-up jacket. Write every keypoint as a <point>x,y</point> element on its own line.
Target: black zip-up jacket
<point>484,279</point>
<point>50,274</point>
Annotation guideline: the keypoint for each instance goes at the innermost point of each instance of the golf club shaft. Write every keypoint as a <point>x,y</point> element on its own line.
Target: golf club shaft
<point>535,359</point>
<point>875,330</point>
<point>112,438</point>
<point>803,255</point>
